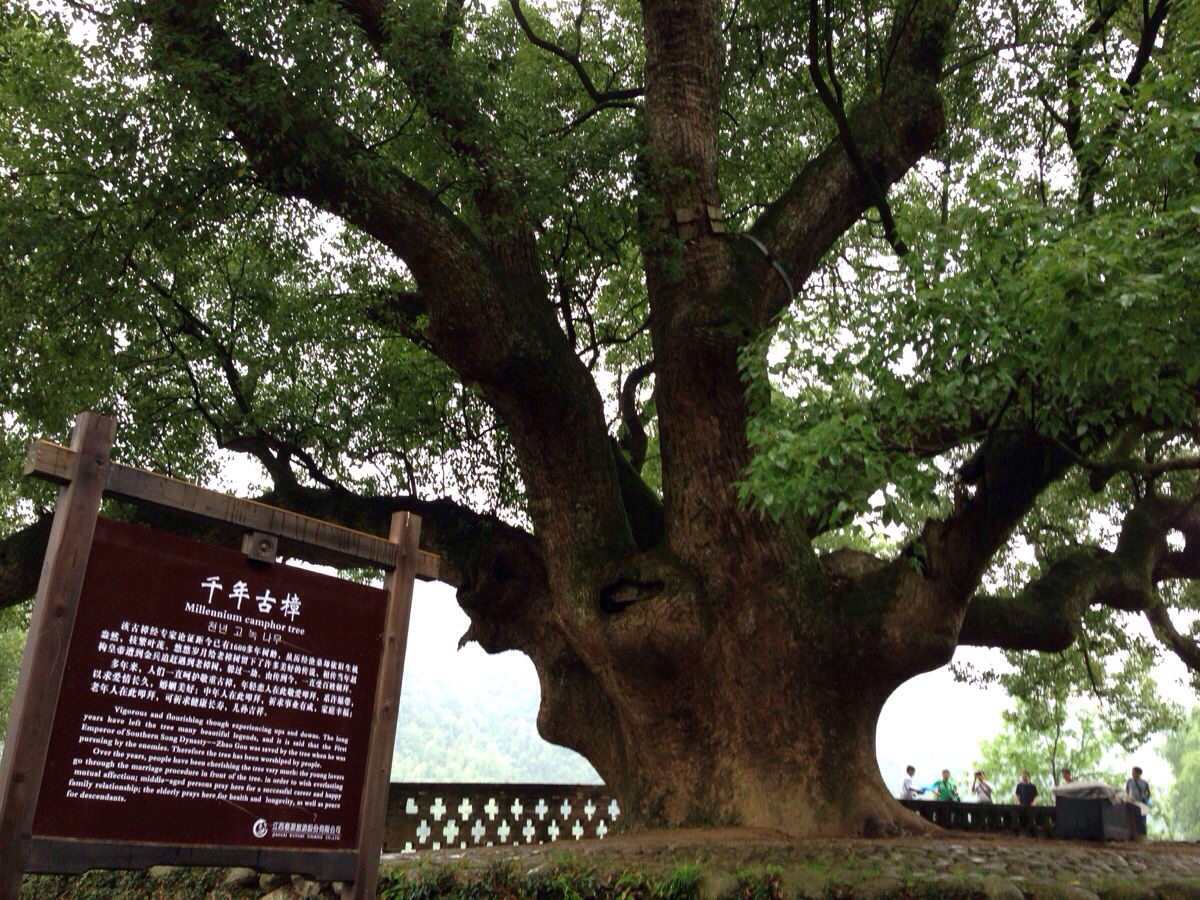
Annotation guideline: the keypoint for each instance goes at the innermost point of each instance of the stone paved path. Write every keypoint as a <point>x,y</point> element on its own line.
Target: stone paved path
<point>991,866</point>
<point>722,864</point>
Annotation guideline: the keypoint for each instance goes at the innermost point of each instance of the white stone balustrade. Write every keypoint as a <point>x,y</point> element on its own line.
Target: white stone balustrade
<point>496,814</point>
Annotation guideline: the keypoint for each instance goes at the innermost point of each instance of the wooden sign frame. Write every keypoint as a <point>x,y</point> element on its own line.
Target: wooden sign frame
<point>87,474</point>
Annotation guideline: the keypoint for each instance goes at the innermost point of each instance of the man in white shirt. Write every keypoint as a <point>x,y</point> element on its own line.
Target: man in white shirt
<point>1138,790</point>
<point>907,791</point>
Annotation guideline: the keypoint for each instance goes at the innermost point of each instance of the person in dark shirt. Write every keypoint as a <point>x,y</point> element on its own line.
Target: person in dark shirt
<point>1026,791</point>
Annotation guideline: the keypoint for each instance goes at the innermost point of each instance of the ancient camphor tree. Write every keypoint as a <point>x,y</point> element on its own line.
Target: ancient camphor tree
<point>658,313</point>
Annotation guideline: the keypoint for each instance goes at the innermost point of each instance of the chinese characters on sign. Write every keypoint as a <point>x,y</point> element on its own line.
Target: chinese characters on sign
<point>289,606</point>
<point>222,702</point>
<point>210,672</point>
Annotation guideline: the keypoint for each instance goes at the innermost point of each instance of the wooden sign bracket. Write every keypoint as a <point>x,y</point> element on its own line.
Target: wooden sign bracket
<point>261,547</point>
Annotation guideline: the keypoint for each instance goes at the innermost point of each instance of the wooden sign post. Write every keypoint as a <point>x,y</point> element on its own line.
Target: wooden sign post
<point>45,655</point>
<point>182,703</point>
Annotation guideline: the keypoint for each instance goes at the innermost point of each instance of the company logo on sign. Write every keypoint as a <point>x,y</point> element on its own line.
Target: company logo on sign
<point>260,828</point>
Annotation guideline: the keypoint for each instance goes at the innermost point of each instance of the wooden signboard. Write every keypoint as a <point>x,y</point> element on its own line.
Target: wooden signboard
<point>182,703</point>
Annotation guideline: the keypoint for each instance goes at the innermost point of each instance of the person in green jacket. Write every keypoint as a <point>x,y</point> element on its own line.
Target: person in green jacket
<point>945,789</point>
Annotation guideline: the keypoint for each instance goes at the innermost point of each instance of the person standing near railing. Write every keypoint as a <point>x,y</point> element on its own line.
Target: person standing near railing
<point>944,789</point>
<point>1026,792</point>
<point>983,790</point>
<point>907,790</point>
<point>1138,790</point>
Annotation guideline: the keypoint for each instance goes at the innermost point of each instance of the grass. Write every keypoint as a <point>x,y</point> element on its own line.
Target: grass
<point>104,884</point>
<point>712,873</point>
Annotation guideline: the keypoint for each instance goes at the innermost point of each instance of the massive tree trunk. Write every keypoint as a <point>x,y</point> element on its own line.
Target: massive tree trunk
<point>746,688</point>
<point>759,724</point>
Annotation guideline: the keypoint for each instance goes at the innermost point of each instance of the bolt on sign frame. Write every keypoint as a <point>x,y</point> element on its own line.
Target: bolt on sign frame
<point>87,475</point>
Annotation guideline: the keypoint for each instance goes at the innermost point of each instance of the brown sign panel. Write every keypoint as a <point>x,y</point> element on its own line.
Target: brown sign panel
<point>210,700</point>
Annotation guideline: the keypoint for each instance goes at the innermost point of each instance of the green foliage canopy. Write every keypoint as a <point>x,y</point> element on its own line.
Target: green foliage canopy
<point>197,198</point>
<point>1182,751</point>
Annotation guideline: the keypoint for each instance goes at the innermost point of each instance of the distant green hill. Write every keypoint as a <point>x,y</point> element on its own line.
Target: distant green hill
<point>479,731</point>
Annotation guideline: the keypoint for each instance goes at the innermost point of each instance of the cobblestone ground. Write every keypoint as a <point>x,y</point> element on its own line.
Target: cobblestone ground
<point>961,865</point>
<point>710,864</point>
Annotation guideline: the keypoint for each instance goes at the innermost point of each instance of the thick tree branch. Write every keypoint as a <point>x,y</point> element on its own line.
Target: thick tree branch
<point>506,594</point>
<point>1007,475</point>
<point>683,85</point>
<point>1096,27</point>
<point>634,440</point>
<point>834,104</point>
<point>642,506</point>
<point>1094,158</point>
<point>890,130</point>
<point>1091,155</point>
<point>21,555</point>
<point>473,295</point>
<point>1164,629</point>
<point>1152,23</point>
<point>369,16</point>
<point>1101,472</point>
<point>1046,614</point>
<point>931,583</point>
<point>451,102</point>
<point>1183,563</point>
<point>298,150</point>
<point>697,300</point>
<point>454,532</point>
